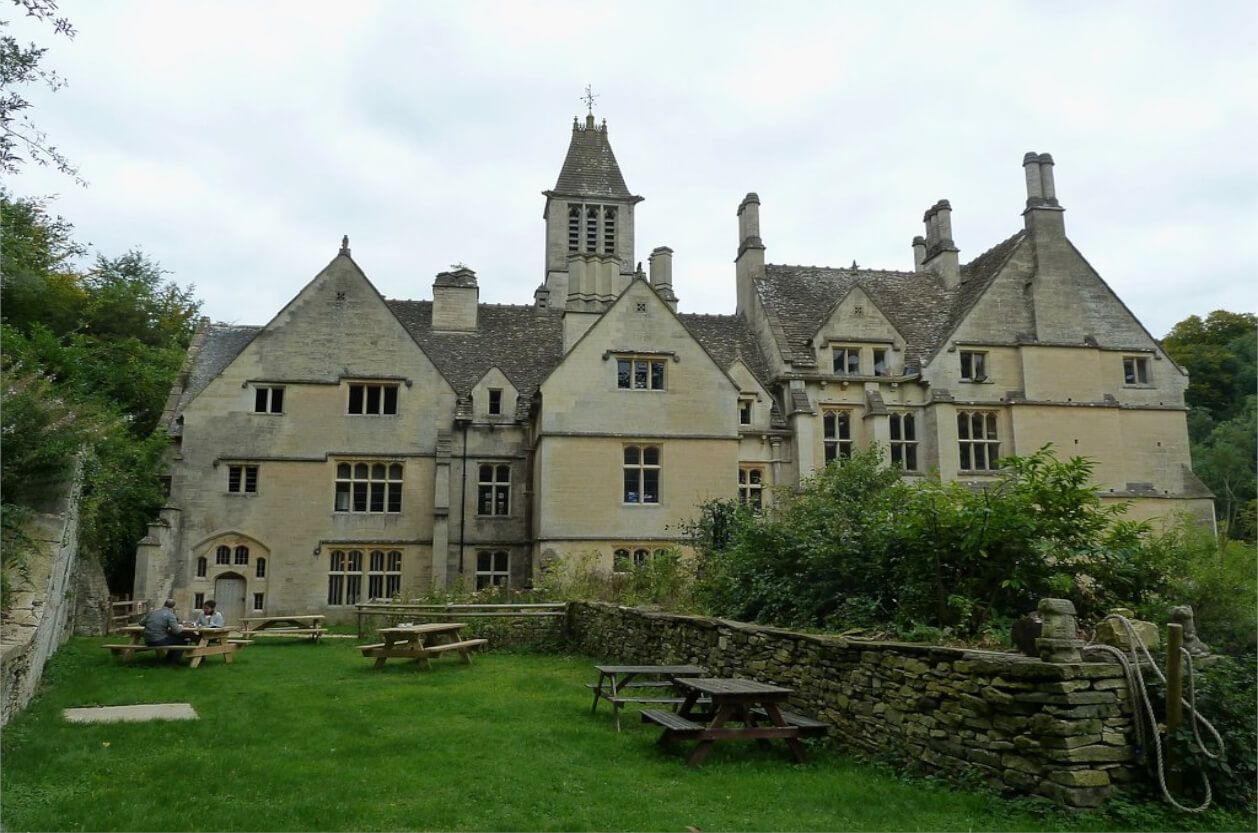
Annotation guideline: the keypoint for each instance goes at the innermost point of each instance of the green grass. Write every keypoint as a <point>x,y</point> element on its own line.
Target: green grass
<point>302,736</point>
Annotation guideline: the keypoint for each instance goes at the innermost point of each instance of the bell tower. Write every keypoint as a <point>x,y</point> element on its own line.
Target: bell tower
<point>589,224</point>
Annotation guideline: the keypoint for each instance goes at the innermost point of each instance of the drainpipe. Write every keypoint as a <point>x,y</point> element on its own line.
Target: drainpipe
<point>463,501</point>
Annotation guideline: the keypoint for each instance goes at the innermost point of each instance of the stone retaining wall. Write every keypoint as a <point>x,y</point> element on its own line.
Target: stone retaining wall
<point>529,632</point>
<point>1063,730</point>
<point>42,615</point>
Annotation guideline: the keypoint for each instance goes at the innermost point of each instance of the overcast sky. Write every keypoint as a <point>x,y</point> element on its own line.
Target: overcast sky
<point>235,142</point>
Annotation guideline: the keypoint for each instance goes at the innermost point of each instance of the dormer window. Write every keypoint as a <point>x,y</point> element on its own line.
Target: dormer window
<point>495,402</point>
<point>744,411</point>
<point>880,363</point>
<point>847,361</point>
<point>973,366</point>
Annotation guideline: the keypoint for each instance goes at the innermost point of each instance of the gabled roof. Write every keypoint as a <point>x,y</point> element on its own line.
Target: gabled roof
<point>222,343</point>
<point>525,343</point>
<point>590,169</point>
<point>521,341</point>
<point>916,303</point>
<point>728,339</point>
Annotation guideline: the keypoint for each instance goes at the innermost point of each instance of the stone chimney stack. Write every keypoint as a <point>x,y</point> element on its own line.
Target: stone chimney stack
<point>919,252</point>
<point>454,299</point>
<point>1043,214</point>
<point>749,264</point>
<point>660,264</point>
<point>941,253</point>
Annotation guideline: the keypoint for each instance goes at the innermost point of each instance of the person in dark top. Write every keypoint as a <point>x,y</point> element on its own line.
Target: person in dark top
<point>161,627</point>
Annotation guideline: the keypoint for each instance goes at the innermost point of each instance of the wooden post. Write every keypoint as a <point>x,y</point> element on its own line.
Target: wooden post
<point>1174,698</point>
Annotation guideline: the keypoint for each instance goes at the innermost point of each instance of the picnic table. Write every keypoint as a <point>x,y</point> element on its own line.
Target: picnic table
<point>751,703</point>
<point>618,684</point>
<point>203,642</point>
<point>421,642</point>
<point>286,625</point>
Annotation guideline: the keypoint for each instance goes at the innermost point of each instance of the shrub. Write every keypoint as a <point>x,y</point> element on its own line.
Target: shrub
<point>1225,693</point>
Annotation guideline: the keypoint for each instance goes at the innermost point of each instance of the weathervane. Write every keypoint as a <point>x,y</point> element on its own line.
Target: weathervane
<point>588,98</point>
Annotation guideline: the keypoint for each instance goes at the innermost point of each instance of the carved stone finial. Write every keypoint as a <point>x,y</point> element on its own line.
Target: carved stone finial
<point>1059,634</point>
<point>345,244</point>
<point>1183,615</point>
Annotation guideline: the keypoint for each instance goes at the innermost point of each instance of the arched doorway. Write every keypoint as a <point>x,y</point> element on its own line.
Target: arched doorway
<point>229,593</point>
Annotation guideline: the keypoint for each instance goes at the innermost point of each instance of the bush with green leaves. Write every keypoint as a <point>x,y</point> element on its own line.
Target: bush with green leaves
<point>1224,693</point>
<point>859,546</point>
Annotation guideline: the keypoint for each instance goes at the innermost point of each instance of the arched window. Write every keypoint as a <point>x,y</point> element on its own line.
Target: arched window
<point>260,568</point>
<point>223,555</point>
<point>242,554</point>
<point>202,566</point>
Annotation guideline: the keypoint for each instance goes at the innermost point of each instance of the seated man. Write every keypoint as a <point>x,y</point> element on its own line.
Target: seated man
<point>161,627</point>
<point>208,617</point>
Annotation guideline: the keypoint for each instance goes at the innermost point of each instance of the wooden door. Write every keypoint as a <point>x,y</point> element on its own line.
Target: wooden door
<point>229,593</point>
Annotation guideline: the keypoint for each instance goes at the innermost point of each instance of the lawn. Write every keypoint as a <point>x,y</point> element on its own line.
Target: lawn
<point>302,736</point>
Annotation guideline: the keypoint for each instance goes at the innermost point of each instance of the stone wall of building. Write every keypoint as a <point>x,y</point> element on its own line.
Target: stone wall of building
<point>1063,730</point>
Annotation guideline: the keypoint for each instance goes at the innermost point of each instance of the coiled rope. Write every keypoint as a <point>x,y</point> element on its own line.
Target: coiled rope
<point>1135,682</point>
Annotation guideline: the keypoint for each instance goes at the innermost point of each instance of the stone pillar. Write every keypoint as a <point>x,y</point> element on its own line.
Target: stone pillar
<point>1059,637</point>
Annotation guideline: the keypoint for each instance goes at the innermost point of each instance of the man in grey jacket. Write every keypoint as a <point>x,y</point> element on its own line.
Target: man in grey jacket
<point>161,627</point>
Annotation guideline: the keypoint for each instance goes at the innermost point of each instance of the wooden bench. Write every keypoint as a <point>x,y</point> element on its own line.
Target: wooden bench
<point>383,650</point>
<point>672,721</point>
<point>129,651</point>
<point>808,727</point>
<point>461,647</point>
<point>313,633</point>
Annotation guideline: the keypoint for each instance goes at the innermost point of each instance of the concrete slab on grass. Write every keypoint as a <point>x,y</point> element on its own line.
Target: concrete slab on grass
<point>149,711</point>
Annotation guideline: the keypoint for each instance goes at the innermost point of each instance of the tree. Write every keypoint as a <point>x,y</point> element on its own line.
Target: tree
<point>38,282</point>
<point>88,360</point>
<point>1219,354</point>
<point>20,140</point>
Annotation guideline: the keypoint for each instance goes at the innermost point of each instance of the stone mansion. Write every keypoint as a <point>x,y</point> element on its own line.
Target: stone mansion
<point>360,447</point>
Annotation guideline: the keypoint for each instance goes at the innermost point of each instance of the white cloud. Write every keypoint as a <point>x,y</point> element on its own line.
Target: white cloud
<point>236,142</point>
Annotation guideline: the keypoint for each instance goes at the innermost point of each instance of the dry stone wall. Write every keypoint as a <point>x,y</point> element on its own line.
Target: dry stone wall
<point>41,618</point>
<point>1063,730</point>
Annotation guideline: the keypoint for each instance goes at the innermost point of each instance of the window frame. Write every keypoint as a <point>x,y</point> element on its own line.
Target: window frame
<point>488,576</point>
<point>494,404</point>
<point>975,366</point>
<point>1137,372</point>
<point>385,395</point>
<point>971,448</point>
<point>646,475</point>
<point>383,492</point>
<point>345,577</point>
<point>242,479</point>
<point>268,399</point>
<point>848,356</point>
<point>903,442</point>
<point>650,370</point>
<point>493,494</point>
<point>745,409</point>
<point>751,487</point>
<point>384,573</point>
<point>836,434</point>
